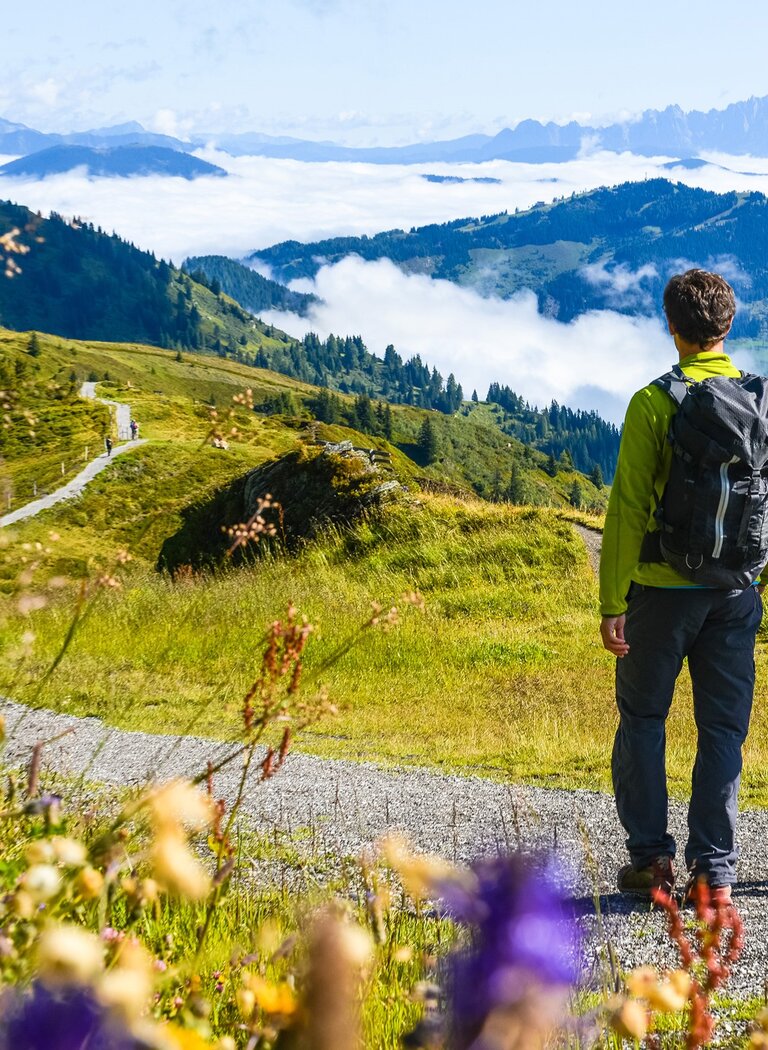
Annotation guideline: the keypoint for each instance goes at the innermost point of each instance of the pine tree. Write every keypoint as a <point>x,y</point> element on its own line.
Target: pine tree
<point>551,467</point>
<point>387,426</point>
<point>33,346</point>
<point>427,441</point>
<point>566,460</point>
<point>516,487</point>
<point>474,396</point>
<point>596,477</point>
<point>576,495</point>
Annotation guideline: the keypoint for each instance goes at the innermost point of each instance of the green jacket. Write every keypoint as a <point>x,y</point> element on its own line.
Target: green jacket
<point>645,457</point>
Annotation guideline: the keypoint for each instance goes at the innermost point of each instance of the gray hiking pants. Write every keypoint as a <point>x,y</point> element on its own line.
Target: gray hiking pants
<point>716,631</point>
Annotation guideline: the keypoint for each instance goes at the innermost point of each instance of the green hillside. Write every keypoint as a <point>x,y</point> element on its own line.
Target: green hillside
<point>172,395</point>
<point>77,282</point>
<point>610,248</point>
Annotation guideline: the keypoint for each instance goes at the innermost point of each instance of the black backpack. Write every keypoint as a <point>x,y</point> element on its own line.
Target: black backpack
<point>713,514</point>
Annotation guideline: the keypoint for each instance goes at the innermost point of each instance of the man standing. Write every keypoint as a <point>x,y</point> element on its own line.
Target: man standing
<point>653,617</point>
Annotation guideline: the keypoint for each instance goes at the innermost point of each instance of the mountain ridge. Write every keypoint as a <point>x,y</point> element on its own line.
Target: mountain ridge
<point>740,127</point>
<point>121,161</point>
<point>609,248</point>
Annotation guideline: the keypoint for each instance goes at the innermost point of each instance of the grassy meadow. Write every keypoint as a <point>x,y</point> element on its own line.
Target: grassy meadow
<point>501,674</point>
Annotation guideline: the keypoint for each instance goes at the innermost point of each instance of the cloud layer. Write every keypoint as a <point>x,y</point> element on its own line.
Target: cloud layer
<point>264,201</point>
<point>595,362</point>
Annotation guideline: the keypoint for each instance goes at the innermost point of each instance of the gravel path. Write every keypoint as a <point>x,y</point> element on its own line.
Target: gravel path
<point>340,806</point>
<point>76,485</point>
<point>122,411</point>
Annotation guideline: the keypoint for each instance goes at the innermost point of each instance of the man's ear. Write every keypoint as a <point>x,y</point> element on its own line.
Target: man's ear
<point>671,328</point>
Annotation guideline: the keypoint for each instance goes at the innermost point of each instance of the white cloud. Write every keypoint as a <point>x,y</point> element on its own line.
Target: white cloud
<point>46,91</point>
<point>264,200</point>
<point>596,361</point>
<point>621,285</point>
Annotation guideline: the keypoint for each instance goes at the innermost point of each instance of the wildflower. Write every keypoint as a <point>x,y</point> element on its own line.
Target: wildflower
<point>271,998</point>
<point>419,873</point>
<point>43,1019</point>
<point>48,806</point>
<point>69,852</point>
<point>178,803</point>
<point>89,883</point>
<point>630,1020</point>
<point>339,955</point>
<point>68,955</point>
<point>126,988</point>
<point>246,1002</point>
<point>523,956</point>
<point>175,1038</point>
<point>23,905</point>
<point>40,851</point>
<point>41,882</point>
<point>177,869</point>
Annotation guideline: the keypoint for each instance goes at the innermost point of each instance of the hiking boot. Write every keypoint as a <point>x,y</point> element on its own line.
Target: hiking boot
<point>641,882</point>
<point>716,894</point>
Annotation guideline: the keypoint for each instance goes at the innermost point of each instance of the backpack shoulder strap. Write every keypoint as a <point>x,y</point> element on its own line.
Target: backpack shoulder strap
<point>675,383</point>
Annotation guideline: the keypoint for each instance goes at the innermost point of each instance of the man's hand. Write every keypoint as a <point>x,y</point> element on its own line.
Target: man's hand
<point>612,633</point>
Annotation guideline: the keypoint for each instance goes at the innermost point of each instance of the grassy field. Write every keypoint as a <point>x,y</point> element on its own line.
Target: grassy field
<point>502,674</point>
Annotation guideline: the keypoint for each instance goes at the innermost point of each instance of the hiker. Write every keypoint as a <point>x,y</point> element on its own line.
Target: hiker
<point>134,430</point>
<point>707,608</point>
<point>108,444</point>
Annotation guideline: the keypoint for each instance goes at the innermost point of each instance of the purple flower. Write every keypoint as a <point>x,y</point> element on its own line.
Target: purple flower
<point>69,1019</point>
<point>521,942</point>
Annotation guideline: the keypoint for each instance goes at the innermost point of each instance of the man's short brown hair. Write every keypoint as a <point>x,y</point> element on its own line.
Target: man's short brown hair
<point>700,307</point>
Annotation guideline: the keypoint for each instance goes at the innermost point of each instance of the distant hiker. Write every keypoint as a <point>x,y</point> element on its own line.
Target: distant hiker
<point>108,445</point>
<point>689,492</point>
<point>134,430</point>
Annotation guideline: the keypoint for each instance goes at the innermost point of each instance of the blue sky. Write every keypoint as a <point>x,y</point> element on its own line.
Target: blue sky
<point>364,72</point>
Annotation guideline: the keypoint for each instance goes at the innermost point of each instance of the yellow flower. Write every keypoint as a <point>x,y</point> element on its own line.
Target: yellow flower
<point>630,1020</point>
<point>126,988</point>
<point>419,872</point>
<point>39,852</point>
<point>640,980</point>
<point>663,995</point>
<point>246,1002</point>
<point>176,868</point>
<point>89,883</point>
<point>23,905</point>
<point>69,955</point>
<point>271,998</point>
<point>178,803</point>
<point>184,1038</point>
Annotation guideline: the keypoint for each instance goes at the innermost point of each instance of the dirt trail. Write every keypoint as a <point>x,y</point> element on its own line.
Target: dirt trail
<point>593,541</point>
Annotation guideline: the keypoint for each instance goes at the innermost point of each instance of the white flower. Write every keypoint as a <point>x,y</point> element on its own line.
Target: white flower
<point>69,955</point>
<point>41,881</point>
<point>69,852</point>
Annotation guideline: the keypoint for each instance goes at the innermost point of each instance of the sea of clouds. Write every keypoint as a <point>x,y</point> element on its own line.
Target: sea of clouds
<point>593,362</point>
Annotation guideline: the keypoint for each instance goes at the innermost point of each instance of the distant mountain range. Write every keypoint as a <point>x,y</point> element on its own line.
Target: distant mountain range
<point>741,127</point>
<point>606,249</point>
<point>124,161</point>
